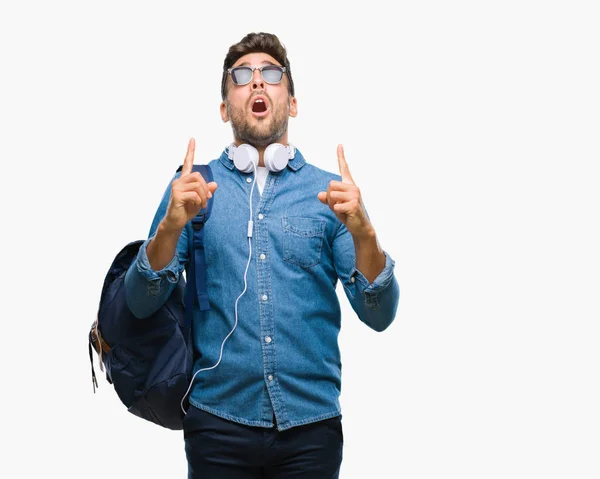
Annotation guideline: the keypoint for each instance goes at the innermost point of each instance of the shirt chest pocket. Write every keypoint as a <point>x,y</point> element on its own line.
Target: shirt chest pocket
<point>302,240</point>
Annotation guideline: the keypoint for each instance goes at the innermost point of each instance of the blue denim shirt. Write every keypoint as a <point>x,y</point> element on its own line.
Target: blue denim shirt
<point>282,360</point>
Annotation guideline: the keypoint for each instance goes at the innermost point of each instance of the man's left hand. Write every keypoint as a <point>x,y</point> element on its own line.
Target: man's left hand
<point>344,199</point>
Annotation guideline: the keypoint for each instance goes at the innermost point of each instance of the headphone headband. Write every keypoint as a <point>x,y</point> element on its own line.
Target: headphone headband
<point>291,149</point>
<point>245,156</point>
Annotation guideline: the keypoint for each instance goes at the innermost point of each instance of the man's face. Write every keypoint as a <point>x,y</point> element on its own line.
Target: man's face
<point>258,111</point>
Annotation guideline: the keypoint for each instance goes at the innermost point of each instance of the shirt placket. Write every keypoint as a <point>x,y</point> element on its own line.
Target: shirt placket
<point>267,326</point>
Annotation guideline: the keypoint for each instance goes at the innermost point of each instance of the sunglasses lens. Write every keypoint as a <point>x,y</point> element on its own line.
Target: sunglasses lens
<point>272,74</point>
<point>241,75</point>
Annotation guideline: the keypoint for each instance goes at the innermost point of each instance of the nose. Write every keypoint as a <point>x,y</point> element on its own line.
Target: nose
<point>257,80</point>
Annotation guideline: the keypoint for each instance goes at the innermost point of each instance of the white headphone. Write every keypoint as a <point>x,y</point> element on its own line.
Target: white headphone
<point>245,157</point>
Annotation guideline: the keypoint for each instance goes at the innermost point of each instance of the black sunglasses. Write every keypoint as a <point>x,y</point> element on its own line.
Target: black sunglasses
<point>271,74</point>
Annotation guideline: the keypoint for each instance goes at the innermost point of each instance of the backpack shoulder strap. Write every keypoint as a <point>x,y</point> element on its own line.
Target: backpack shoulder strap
<point>206,173</point>
<point>197,288</point>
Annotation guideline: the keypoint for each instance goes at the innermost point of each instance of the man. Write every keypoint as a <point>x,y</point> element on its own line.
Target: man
<point>264,400</point>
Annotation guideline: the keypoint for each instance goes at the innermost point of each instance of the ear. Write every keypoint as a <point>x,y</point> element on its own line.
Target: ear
<point>223,111</point>
<point>293,107</point>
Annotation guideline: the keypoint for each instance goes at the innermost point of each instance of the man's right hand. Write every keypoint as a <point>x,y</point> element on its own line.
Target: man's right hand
<point>189,194</point>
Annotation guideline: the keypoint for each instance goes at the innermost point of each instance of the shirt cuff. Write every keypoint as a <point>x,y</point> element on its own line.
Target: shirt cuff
<point>170,272</point>
<point>382,281</point>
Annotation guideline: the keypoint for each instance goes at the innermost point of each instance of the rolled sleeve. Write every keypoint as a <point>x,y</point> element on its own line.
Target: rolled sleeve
<point>375,303</point>
<point>169,273</point>
<point>147,289</point>
<point>381,296</point>
<point>381,282</point>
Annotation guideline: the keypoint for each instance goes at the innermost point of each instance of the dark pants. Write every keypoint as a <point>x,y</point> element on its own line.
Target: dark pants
<point>220,449</point>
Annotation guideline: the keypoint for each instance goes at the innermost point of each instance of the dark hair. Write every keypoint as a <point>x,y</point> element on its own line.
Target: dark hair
<point>257,43</point>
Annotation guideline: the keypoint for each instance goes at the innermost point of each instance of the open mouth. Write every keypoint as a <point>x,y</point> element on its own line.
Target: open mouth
<point>259,106</point>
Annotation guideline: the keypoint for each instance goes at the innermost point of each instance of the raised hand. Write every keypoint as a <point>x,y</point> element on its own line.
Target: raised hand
<point>189,193</point>
<point>344,199</point>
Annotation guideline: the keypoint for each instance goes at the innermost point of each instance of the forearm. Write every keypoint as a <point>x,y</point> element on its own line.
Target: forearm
<point>370,258</point>
<point>163,246</point>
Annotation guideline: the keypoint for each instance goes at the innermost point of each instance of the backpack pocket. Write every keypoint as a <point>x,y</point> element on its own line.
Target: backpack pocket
<point>126,374</point>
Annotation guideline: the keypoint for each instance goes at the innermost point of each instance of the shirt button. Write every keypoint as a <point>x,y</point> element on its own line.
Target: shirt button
<point>268,339</point>
<point>263,256</point>
<point>248,180</point>
<point>260,216</point>
<point>270,377</point>
<point>352,279</point>
<point>172,277</point>
<point>264,297</point>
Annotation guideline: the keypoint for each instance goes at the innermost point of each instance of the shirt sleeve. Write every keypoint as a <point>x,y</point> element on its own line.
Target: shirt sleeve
<point>146,290</point>
<point>375,303</point>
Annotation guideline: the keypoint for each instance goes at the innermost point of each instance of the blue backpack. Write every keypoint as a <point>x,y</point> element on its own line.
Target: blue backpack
<point>149,361</point>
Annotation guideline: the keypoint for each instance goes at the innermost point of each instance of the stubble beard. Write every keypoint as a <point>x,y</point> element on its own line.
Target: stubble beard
<point>269,129</point>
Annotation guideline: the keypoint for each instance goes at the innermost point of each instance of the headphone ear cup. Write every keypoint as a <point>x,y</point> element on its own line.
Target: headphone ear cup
<point>245,158</point>
<point>276,157</point>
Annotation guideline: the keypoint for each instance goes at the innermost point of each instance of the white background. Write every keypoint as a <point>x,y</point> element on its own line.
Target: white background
<point>472,129</point>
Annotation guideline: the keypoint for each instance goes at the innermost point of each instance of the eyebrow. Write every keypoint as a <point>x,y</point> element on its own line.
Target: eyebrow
<point>266,62</point>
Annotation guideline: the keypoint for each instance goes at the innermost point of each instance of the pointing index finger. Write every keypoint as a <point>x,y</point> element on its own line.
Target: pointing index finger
<point>188,162</point>
<point>344,170</point>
